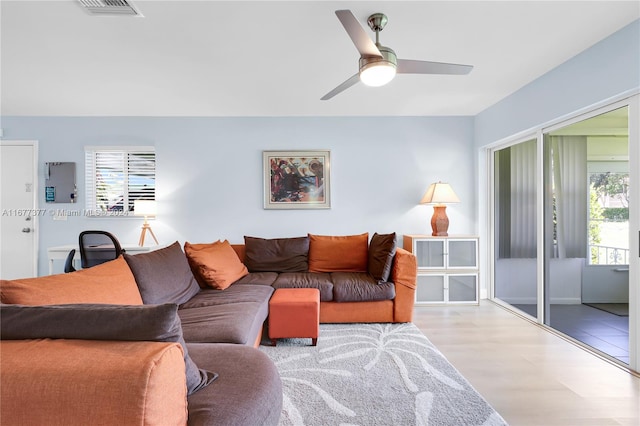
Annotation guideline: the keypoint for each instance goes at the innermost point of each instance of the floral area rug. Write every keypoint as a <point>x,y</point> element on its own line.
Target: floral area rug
<point>374,374</point>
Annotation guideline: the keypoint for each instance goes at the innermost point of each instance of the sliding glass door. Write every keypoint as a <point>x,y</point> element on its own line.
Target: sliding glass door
<point>515,223</point>
<point>586,238</point>
<point>565,229</point>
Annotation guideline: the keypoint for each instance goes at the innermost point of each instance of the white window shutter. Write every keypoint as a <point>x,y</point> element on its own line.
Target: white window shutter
<point>116,176</point>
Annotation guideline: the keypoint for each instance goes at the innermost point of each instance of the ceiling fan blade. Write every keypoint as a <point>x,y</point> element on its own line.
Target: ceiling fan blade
<point>407,66</point>
<point>342,87</point>
<point>363,43</point>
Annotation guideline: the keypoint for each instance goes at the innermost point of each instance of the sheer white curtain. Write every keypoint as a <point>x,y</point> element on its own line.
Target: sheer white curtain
<point>571,194</point>
<point>523,200</point>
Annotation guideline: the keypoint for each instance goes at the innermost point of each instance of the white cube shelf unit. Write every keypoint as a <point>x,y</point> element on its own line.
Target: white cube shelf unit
<point>447,268</point>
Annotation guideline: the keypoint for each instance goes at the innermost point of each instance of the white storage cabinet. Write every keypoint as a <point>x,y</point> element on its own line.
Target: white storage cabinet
<point>447,268</point>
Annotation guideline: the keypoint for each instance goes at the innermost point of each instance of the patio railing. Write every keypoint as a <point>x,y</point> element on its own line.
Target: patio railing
<point>604,255</point>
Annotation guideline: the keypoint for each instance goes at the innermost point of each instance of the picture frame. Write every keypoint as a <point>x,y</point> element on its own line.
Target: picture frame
<point>297,179</point>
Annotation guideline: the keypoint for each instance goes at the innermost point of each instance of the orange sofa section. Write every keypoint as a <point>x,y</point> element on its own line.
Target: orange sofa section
<point>403,274</point>
<point>109,283</point>
<point>148,386</point>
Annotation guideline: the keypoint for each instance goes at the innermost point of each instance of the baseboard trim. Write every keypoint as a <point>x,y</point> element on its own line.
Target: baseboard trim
<point>532,300</point>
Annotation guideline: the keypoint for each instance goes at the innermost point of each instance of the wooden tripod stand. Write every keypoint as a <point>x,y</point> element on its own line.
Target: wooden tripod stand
<point>145,228</point>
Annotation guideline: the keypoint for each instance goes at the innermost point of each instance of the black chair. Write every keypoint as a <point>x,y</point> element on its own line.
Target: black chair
<point>97,247</point>
<point>68,264</point>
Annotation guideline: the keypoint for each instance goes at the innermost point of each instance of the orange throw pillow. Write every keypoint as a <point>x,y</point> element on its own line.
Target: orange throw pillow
<point>347,253</point>
<point>108,283</point>
<point>215,265</point>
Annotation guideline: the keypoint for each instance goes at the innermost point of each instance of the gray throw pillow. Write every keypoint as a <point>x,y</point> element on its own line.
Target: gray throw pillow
<point>157,323</point>
<point>163,276</point>
<point>277,254</point>
<point>382,248</point>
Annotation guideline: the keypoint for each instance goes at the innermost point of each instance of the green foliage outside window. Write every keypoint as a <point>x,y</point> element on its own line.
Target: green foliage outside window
<point>595,217</point>
<point>616,213</point>
<point>611,185</point>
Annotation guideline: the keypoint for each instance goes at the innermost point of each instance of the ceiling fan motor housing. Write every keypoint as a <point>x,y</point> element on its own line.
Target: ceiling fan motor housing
<point>377,71</point>
<point>388,59</point>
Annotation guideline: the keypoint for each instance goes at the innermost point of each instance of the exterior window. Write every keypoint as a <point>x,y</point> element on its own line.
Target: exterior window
<point>116,176</point>
<point>609,218</point>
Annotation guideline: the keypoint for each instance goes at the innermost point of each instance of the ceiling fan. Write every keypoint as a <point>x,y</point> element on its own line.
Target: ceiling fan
<point>378,64</point>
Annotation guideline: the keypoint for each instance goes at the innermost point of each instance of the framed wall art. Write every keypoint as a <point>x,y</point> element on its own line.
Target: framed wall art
<point>296,179</point>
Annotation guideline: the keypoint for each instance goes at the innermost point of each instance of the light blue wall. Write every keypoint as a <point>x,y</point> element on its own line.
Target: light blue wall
<point>209,173</point>
<point>608,68</point>
<point>209,170</point>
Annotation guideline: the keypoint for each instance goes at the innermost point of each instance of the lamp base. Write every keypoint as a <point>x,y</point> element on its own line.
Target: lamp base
<point>145,228</point>
<point>439,221</point>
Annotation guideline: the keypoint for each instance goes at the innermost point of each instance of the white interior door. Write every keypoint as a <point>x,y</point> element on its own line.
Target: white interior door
<point>18,209</point>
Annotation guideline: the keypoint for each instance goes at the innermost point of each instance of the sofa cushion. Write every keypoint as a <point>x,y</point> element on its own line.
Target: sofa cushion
<point>215,265</point>
<point>234,315</point>
<point>381,250</point>
<point>258,278</point>
<point>163,276</point>
<point>276,254</point>
<point>347,253</point>
<point>111,283</point>
<point>159,323</point>
<point>92,382</point>
<point>240,250</point>
<point>251,293</point>
<point>321,281</point>
<point>360,287</point>
<point>248,391</point>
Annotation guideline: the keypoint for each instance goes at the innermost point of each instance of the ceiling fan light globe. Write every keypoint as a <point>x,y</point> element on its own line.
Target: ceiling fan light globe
<point>378,73</point>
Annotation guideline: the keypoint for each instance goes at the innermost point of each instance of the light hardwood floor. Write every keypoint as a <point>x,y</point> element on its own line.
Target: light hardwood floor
<point>529,375</point>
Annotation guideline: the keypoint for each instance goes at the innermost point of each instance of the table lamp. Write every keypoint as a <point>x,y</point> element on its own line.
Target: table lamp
<point>145,208</point>
<point>438,194</point>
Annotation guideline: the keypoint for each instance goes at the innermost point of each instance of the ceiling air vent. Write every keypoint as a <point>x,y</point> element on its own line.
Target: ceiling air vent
<point>109,7</point>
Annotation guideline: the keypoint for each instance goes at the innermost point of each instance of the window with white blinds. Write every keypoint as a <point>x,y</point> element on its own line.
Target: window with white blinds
<point>116,176</point>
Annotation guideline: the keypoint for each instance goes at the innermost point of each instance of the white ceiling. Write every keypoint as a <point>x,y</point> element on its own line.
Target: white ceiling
<point>265,58</point>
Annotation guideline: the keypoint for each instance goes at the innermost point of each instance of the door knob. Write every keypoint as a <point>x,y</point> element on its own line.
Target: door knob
<point>26,230</point>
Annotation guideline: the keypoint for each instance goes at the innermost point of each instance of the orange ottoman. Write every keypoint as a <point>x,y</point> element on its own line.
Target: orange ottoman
<point>294,312</point>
